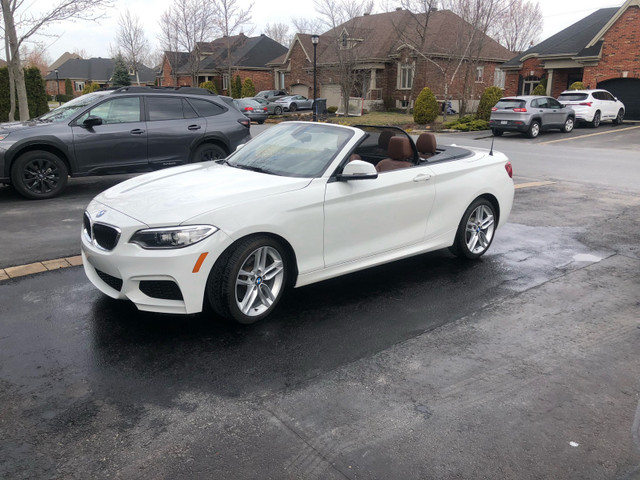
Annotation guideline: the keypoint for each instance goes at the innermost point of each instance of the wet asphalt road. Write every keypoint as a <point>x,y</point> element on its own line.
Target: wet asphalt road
<point>522,365</point>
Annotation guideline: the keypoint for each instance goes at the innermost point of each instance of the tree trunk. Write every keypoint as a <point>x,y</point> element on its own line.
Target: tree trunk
<point>12,88</point>
<point>14,63</point>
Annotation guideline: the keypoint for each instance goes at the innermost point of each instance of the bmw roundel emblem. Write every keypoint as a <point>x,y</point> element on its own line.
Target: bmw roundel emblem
<point>100,213</point>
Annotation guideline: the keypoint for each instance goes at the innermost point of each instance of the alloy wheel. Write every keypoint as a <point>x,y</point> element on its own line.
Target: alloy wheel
<point>259,281</point>
<point>479,229</point>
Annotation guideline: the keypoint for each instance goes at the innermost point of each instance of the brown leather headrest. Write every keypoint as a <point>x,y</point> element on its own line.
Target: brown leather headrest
<point>383,139</point>
<point>400,148</point>
<point>426,143</point>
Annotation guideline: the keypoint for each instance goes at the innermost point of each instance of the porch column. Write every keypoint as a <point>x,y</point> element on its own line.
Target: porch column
<point>372,85</point>
<point>550,82</point>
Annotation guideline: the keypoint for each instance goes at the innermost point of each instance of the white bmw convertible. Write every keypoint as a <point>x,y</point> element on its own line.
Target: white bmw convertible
<point>300,203</point>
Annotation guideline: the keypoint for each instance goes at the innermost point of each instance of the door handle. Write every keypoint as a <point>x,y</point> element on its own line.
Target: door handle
<point>194,127</point>
<point>423,177</point>
<point>137,131</point>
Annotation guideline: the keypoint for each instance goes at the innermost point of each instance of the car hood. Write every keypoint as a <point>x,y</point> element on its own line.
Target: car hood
<point>172,196</point>
<point>8,127</point>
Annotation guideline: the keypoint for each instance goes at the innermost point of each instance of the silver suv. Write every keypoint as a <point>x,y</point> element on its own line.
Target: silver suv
<point>593,106</point>
<point>530,114</point>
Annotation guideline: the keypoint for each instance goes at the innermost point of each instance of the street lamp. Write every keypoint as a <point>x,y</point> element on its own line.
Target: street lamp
<point>58,84</point>
<point>314,40</point>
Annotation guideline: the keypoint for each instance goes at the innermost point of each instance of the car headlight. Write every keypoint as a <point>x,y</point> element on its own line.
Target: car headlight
<point>171,237</point>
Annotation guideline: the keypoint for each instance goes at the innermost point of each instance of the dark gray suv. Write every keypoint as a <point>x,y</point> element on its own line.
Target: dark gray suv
<point>131,129</point>
<point>530,114</point>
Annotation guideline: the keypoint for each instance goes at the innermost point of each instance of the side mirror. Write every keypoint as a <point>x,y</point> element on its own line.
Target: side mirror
<point>358,170</point>
<point>239,147</point>
<point>92,121</point>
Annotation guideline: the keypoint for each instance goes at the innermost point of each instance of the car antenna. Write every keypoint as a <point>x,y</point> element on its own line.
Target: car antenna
<point>491,151</point>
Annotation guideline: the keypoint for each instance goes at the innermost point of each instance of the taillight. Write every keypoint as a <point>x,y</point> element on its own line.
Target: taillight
<point>509,168</point>
<point>586,104</point>
<point>245,121</point>
<point>520,110</point>
<point>494,109</point>
<point>248,109</point>
<point>265,109</point>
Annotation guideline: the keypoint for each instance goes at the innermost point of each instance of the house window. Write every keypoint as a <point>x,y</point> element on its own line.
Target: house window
<point>78,86</point>
<point>405,77</point>
<point>499,77</point>
<point>479,73</point>
<point>529,84</point>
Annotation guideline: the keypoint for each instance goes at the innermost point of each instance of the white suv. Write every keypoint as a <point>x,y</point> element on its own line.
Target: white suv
<point>593,106</point>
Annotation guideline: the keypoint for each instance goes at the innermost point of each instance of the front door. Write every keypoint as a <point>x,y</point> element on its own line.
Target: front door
<point>120,142</point>
<point>369,217</point>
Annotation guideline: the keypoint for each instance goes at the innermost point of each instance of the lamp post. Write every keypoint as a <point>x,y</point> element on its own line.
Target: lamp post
<point>314,40</point>
<point>58,84</point>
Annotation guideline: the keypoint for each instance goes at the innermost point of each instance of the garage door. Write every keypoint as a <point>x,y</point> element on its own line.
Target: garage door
<point>301,89</point>
<point>627,90</point>
<point>332,93</point>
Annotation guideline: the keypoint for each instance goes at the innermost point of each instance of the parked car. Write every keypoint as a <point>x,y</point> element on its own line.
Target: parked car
<point>272,107</point>
<point>300,203</point>
<point>131,129</point>
<point>253,110</point>
<point>272,95</point>
<point>295,102</point>
<point>530,114</point>
<point>593,106</point>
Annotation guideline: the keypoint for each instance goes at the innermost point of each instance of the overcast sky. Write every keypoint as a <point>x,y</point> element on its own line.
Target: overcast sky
<point>95,38</point>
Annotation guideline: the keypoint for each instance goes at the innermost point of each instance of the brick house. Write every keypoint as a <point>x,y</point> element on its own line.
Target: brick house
<point>388,64</point>
<point>92,70</point>
<point>249,59</point>
<point>601,50</point>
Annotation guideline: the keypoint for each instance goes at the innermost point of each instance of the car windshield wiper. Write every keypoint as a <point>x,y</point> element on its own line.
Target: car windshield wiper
<point>253,169</point>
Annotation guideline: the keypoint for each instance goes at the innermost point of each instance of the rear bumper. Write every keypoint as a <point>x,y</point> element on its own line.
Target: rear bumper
<point>512,125</point>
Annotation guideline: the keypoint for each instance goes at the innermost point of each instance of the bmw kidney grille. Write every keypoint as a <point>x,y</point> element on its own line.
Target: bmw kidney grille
<point>101,235</point>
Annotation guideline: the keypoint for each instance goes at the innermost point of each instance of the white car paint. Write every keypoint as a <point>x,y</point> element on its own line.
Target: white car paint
<point>333,227</point>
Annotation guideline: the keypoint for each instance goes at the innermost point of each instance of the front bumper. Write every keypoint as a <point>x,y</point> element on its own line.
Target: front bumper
<point>165,281</point>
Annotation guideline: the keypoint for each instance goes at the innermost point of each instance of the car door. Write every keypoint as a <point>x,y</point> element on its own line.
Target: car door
<point>121,140</point>
<point>609,105</point>
<point>174,127</point>
<point>557,112</point>
<point>369,217</point>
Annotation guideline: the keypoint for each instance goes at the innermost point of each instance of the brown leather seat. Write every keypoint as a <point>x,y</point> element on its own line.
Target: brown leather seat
<point>426,145</point>
<point>399,152</point>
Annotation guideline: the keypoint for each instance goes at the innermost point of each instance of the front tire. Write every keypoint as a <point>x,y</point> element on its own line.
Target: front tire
<point>568,125</point>
<point>207,152</point>
<point>293,107</point>
<point>39,174</point>
<point>534,129</point>
<point>475,231</point>
<point>247,283</point>
<point>619,118</point>
<point>595,123</point>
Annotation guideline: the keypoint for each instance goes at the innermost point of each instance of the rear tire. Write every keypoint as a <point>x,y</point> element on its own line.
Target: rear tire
<point>496,132</point>
<point>475,231</point>
<point>207,152</point>
<point>39,174</point>
<point>595,123</point>
<point>277,111</point>
<point>534,129</point>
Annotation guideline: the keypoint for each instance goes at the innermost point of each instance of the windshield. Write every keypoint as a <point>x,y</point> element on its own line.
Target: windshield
<point>69,109</point>
<point>292,150</point>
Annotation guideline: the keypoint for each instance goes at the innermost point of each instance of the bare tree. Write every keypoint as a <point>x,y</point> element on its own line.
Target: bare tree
<point>308,25</point>
<point>20,26</point>
<point>341,18</point>
<point>518,26</point>
<point>278,32</point>
<point>184,25</point>
<point>231,18</point>
<point>131,39</point>
<point>35,56</point>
